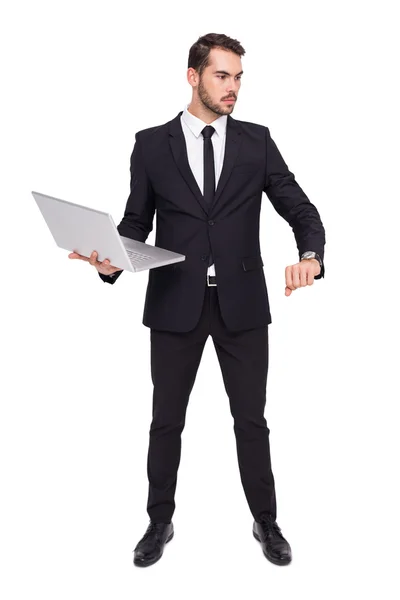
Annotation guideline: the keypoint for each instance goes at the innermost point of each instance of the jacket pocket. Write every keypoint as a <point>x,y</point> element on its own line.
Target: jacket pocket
<point>252,262</point>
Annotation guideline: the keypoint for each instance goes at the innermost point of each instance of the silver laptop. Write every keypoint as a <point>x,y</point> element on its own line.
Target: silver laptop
<point>82,229</point>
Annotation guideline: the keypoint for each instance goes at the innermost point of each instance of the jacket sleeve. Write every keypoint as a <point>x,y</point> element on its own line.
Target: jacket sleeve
<point>291,203</point>
<point>137,221</point>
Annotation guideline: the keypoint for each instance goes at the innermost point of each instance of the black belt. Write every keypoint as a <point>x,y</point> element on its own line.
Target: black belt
<point>211,280</point>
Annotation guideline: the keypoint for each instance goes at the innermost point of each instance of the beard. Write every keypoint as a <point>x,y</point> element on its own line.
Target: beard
<point>210,105</point>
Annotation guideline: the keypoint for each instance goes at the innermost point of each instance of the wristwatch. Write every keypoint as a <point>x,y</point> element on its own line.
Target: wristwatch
<point>310,254</point>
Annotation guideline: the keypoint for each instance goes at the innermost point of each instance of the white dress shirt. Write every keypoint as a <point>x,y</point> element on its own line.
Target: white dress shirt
<point>192,127</point>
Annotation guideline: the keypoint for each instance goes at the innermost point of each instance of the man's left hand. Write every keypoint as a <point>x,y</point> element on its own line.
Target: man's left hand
<point>301,274</point>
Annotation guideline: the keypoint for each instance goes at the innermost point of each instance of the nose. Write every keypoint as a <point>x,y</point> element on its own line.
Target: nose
<point>232,89</point>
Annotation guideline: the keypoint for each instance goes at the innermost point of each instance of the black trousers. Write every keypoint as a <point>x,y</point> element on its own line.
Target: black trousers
<point>243,359</point>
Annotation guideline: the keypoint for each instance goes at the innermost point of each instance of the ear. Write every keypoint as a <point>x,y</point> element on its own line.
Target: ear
<point>192,77</point>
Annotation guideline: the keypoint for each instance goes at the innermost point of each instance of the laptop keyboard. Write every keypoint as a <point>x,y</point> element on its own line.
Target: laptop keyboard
<point>137,258</point>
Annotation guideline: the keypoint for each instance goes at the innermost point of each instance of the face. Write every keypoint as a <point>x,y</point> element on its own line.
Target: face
<point>220,81</point>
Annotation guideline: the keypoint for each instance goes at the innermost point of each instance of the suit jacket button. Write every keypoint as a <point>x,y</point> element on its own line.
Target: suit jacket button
<point>204,257</point>
<point>211,222</point>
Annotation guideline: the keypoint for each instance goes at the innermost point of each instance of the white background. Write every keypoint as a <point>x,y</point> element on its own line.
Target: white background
<point>78,80</point>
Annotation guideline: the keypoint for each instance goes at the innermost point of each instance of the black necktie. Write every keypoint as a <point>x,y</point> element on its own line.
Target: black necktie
<point>209,172</point>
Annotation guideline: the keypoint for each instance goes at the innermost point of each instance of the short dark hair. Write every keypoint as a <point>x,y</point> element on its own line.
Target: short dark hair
<point>200,51</point>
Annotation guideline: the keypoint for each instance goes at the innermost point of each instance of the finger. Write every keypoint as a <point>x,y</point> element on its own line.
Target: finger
<point>304,270</point>
<point>288,291</point>
<point>93,258</point>
<point>310,277</point>
<point>289,277</point>
<point>76,255</point>
<point>296,276</point>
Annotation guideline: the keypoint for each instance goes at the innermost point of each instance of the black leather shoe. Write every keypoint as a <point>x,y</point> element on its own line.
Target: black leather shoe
<point>274,545</point>
<point>151,547</point>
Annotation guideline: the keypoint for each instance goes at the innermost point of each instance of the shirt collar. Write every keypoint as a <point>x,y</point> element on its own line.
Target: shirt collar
<point>196,125</point>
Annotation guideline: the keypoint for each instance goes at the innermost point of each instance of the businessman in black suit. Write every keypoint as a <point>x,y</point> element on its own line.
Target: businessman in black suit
<point>203,174</point>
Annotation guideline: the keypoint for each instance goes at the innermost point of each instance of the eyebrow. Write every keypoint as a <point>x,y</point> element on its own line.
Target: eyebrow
<point>226,73</point>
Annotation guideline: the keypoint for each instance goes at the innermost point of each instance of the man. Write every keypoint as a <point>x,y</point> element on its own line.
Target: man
<point>204,173</point>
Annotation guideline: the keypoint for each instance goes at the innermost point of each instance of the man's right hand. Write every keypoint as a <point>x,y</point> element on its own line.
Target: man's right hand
<point>102,267</point>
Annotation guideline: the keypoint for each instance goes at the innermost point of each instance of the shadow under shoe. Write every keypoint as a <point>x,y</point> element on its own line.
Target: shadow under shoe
<point>151,547</point>
<point>274,545</point>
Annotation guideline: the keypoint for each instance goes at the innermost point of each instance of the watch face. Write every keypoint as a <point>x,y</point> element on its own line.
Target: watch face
<point>309,254</point>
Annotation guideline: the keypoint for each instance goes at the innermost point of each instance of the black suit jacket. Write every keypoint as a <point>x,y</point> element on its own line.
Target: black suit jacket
<point>162,183</point>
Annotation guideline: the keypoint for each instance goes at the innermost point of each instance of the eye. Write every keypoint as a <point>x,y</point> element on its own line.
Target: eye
<point>223,76</point>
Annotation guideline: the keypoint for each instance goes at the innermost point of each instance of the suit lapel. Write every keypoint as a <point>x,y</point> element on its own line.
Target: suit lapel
<point>232,146</point>
<point>178,147</point>
<point>179,151</point>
